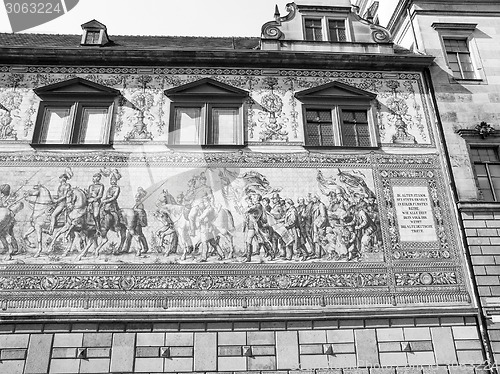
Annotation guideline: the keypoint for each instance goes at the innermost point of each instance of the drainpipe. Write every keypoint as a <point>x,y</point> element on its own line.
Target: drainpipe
<point>483,329</point>
<point>412,29</point>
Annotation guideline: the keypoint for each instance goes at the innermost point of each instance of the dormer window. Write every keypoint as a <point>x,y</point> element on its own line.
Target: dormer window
<point>206,112</point>
<point>313,29</point>
<point>94,33</point>
<point>92,37</point>
<point>335,29</point>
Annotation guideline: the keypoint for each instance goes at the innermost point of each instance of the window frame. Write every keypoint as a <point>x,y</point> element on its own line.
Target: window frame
<point>337,122</point>
<point>320,19</point>
<point>205,136</point>
<point>325,28</point>
<point>461,31</point>
<point>457,55</point>
<point>207,94</point>
<point>337,96</point>
<point>77,94</point>
<point>75,122</point>
<point>344,20</point>
<point>496,148</point>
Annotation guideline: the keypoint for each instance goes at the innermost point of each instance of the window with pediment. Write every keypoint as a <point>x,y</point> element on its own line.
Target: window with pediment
<point>338,115</point>
<point>206,112</point>
<point>76,111</point>
<point>460,50</point>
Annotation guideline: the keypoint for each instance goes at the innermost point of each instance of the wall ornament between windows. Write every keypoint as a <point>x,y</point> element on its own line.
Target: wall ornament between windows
<point>483,130</point>
<point>273,130</point>
<point>143,101</point>
<point>270,29</point>
<point>12,101</point>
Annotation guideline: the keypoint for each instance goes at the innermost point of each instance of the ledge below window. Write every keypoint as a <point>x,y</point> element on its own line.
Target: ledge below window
<point>191,147</point>
<point>475,206</point>
<point>71,146</point>
<point>338,147</point>
<point>468,81</point>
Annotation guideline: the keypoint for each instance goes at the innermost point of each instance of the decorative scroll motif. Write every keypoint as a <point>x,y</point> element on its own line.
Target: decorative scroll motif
<point>294,114</point>
<point>272,103</point>
<point>10,101</point>
<point>426,278</point>
<point>380,35</point>
<point>270,30</point>
<point>399,113</point>
<point>142,103</point>
<point>243,282</point>
<point>204,71</point>
<point>253,159</point>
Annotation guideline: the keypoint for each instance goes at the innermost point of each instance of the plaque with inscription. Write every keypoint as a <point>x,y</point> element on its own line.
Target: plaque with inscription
<point>414,214</point>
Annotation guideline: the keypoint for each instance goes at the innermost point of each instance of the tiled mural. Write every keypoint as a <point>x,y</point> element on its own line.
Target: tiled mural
<point>192,215</point>
<point>174,229</point>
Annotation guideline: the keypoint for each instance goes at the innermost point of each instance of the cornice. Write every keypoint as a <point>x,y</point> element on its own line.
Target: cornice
<point>219,58</point>
<point>399,14</point>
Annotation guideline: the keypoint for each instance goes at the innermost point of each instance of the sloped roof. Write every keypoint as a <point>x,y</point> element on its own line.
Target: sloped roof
<point>131,42</point>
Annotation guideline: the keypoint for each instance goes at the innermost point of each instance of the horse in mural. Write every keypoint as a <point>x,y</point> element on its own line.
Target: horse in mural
<point>78,225</point>
<point>73,225</point>
<point>126,227</point>
<point>223,225</point>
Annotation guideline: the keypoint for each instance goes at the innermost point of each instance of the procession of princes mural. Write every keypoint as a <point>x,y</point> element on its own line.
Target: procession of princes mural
<point>205,215</point>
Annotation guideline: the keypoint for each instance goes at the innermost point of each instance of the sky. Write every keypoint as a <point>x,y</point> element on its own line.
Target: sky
<point>163,17</point>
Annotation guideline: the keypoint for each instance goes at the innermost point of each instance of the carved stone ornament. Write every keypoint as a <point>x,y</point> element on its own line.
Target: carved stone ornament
<point>270,30</point>
<point>484,129</point>
<point>379,33</point>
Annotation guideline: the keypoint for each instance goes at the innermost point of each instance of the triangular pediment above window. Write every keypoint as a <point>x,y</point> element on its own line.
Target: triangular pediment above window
<point>335,91</point>
<point>206,87</point>
<point>76,87</point>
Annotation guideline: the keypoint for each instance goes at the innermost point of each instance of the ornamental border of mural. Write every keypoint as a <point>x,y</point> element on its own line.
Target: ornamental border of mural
<point>416,276</point>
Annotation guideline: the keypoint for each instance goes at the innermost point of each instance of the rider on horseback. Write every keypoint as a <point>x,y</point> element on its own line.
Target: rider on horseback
<point>95,194</point>
<point>60,201</point>
<point>200,190</point>
<point>110,202</point>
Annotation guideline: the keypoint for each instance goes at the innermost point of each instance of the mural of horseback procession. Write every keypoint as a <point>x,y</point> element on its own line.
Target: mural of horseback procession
<point>344,228</point>
<point>217,215</point>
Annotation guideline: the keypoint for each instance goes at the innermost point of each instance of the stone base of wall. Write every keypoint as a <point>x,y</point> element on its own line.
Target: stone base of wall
<point>372,346</point>
<point>482,229</point>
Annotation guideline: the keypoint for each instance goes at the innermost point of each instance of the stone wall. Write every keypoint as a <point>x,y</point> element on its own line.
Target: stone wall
<point>483,231</point>
<point>375,346</point>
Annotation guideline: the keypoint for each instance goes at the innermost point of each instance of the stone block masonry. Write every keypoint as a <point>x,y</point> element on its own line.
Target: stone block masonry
<point>373,346</point>
<point>484,249</point>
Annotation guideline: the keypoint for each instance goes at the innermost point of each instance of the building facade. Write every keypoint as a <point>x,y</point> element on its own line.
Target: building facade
<point>271,204</point>
<point>464,38</point>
